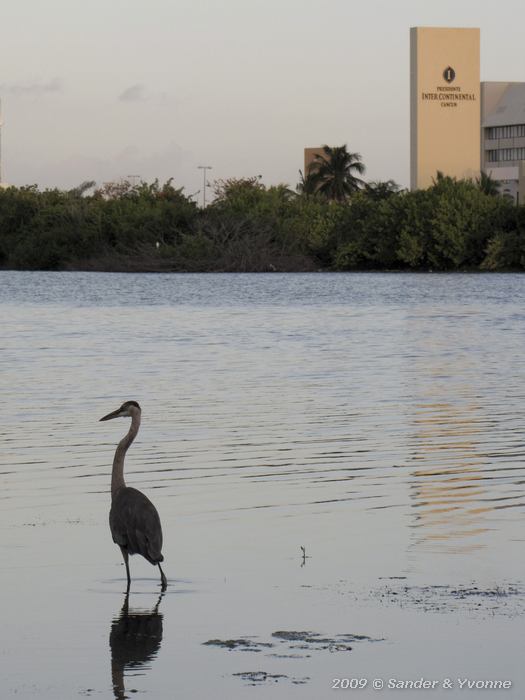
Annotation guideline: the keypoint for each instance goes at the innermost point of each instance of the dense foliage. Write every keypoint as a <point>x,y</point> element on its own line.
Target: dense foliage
<point>453,225</point>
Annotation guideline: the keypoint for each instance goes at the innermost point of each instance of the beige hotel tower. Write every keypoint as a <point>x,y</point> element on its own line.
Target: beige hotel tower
<point>458,125</point>
<point>444,104</point>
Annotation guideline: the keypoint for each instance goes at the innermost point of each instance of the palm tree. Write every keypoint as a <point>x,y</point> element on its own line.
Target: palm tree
<point>332,172</point>
<point>487,184</point>
<point>307,184</point>
<point>378,190</point>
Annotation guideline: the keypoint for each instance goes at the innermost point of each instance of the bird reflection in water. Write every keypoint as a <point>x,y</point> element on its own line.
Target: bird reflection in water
<point>134,641</point>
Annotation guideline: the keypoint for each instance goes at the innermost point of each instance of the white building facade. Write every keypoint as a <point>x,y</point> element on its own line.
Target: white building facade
<point>503,136</point>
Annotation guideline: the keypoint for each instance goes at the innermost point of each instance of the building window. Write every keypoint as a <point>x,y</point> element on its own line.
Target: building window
<point>506,132</point>
<point>505,154</point>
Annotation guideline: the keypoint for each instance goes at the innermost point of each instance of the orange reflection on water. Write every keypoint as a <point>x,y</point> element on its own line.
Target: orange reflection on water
<point>447,495</point>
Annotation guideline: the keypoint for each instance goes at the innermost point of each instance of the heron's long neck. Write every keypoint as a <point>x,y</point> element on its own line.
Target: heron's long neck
<point>117,475</point>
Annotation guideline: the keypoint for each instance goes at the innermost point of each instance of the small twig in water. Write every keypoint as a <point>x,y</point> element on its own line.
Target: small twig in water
<point>303,550</point>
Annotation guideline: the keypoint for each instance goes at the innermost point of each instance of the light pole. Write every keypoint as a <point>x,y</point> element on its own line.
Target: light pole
<point>204,168</point>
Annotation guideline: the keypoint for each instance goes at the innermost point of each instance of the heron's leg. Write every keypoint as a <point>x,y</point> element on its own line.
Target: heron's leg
<point>163,580</point>
<point>126,557</point>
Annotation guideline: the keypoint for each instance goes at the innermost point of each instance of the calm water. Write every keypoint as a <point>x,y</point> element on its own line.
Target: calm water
<point>374,419</point>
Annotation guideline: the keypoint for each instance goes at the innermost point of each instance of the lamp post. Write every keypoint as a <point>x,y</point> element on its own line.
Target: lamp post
<point>204,168</point>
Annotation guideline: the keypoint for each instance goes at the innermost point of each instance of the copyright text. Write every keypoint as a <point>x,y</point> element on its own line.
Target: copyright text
<point>421,683</point>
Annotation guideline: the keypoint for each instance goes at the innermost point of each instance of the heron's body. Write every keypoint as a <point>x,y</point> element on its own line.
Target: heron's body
<point>133,519</point>
<point>135,524</point>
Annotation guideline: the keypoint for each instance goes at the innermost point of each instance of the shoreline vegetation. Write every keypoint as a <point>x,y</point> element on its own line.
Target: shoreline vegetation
<point>325,225</point>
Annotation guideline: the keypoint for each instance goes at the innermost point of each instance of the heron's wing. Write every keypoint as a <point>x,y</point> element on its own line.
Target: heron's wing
<point>135,524</point>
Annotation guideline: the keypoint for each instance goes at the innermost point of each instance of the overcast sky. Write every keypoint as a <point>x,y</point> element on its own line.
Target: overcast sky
<point>109,88</point>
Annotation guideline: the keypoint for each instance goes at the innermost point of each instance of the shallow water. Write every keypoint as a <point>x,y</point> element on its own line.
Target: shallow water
<point>375,420</point>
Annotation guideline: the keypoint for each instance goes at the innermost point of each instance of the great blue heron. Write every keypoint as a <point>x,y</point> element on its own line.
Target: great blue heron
<point>133,519</point>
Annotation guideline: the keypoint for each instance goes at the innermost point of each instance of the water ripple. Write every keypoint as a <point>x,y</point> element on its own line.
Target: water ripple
<point>271,392</point>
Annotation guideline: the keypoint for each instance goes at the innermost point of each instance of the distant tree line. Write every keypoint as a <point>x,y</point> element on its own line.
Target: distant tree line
<point>333,221</point>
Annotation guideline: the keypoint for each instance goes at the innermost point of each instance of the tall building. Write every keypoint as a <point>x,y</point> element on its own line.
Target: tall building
<point>309,157</point>
<point>503,136</point>
<point>444,104</point>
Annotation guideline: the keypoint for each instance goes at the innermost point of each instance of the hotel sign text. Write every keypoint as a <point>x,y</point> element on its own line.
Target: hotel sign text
<point>448,96</point>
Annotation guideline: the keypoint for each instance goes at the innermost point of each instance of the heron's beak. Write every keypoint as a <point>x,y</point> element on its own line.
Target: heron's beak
<point>113,414</point>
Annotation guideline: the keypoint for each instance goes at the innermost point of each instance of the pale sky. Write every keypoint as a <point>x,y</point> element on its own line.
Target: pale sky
<point>104,89</point>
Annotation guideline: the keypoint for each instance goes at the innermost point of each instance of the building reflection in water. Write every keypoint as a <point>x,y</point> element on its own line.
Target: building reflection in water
<point>134,640</point>
<point>448,491</point>
<point>448,482</point>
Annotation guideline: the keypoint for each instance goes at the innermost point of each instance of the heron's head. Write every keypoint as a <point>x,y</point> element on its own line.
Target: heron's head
<point>127,410</point>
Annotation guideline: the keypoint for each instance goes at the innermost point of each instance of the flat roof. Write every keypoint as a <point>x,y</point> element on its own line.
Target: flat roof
<point>510,108</point>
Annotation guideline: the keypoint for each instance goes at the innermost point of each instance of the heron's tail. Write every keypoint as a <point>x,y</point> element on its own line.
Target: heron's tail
<point>154,558</point>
